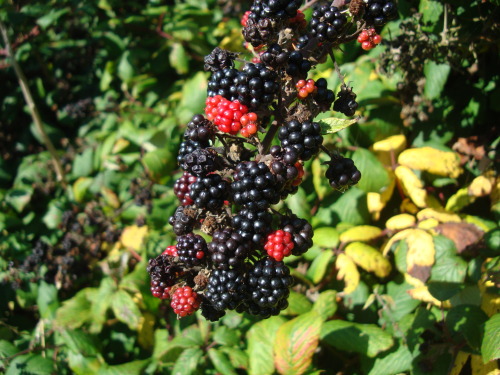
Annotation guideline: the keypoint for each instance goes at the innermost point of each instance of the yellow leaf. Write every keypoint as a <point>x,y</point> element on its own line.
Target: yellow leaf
<point>441,163</point>
<point>376,202</point>
<point>132,237</point>
<point>440,215</point>
<point>120,145</point>
<point>490,302</point>
<point>480,186</point>
<point>408,206</point>
<point>422,294</point>
<point>146,330</point>
<point>400,221</point>
<point>348,272</point>
<point>459,200</point>
<point>383,148</point>
<point>428,223</point>
<point>110,197</point>
<point>412,186</point>
<point>368,258</point>
<point>459,363</point>
<point>360,233</point>
<point>479,368</point>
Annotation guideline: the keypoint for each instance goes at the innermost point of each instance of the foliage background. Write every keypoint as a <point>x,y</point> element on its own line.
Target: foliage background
<point>404,274</point>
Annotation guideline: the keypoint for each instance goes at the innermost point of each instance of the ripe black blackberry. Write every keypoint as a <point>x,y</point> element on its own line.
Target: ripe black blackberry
<point>327,23</point>
<point>210,312</point>
<point>303,138</point>
<point>222,83</point>
<point>228,249</point>
<point>219,59</point>
<point>254,186</point>
<point>182,220</point>
<point>164,274</point>
<point>186,147</point>
<point>200,130</point>
<point>302,233</point>
<point>323,97</point>
<point>209,192</point>
<point>379,12</point>
<point>269,282</point>
<point>274,9</point>
<point>302,42</point>
<point>274,56</point>
<point>342,173</point>
<point>201,162</point>
<point>226,289</point>
<point>181,188</point>
<point>256,85</point>
<point>253,225</point>
<point>297,67</point>
<point>191,249</point>
<point>346,101</point>
<point>259,32</point>
<point>264,312</point>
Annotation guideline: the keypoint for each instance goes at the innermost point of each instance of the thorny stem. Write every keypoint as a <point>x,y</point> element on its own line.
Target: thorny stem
<point>35,115</point>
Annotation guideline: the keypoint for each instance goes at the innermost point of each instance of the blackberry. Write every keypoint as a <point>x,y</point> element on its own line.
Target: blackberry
<point>164,274</point>
<point>181,188</point>
<point>274,56</point>
<point>269,282</point>
<point>253,225</point>
<point>210,312</point>
<point>200,130</point>
<point>379,12</point>
<point>346,101</point>
<point>226,289</point>
<point>222,83</point>
<point>229,249</point>
<point>288,174</point>
<point>263,312</point>
<point>297,67</point>
<point>256,85</point>
<point>327,23</point>
<point>302,42</point>
<point>275,9</point>
<point>209,192</point>
<point>191,249</point>
<point>254,186</point>
<point>219,59</point>
<point>182,220</point>
<point>259,32</point>
<point>302,233</point>
<point>186,147</point>
<point>342,173</point>
<point>201,162</point>
<point>323,96</point>
<point>303,138</point>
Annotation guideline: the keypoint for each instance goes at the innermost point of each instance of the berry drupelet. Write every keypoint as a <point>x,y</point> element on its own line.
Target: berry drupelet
<point>185,301</point>
<point>164,274</point>
<point>201,162</point>
<point>303,138</point>
<point>200,130</point>
<point>346,101</point>
<point>279,244</point>
<point>301,231</point>
<point>181,188</point>
<point>379,12</point>
<point>327,23</point>
<point>228,249</point>
<point>182,220</point>
<point>191,249</point>
<point>226,289</point>
<point>253,225</point>
<point>209,192</point>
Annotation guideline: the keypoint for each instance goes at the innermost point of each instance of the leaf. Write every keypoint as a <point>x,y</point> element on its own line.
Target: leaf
<point>194,93</point>
<point>125,67</point>
<point>490,350</point>
<point>125,309</point>
<point>360,233</point>
<point>81,187</point>
<point>19,198</point>
<point>421,293</point>
<point>440,215</point>
<point>187,362</point>
<point>47,300</point>
<point>351,207</point>
<point>431,10</point>
<point>367,339</point>
<point>237,356</point>
<point>297,304</point>
<point>396,361</point>
<point>220,362</point>
<point>318,267</point>
<point>261,337</point>
<point>326,304</point>
<point>296,342</point>
<point>443,291</point>
<point>110,197</point>
<point>448,267</point>
<point>79,342</point>
<point>400,221</point>
<point>462,234</point>
<point>374,177</point>
<point>376,202</point>
<point>467,321</point>
<point>179,59</point>
<point>133,236</point>
<point>436,76</point>
<point>326,237</point>
<point>51,17</point>
<point>479,368</point>
<point>101,304</point>
<point>388,149</point>
<point>159,164</point>
<point>332,125</point>
<point>129,368</point>
<point>83,164</point>
<point>75,311</point>
<point>226,336</point>
<point>412,186</point>
<point>348,272</point>
<point>459,362</point>
<point>432,160</point>
<point>146,330</point>
<point>30,364</point>
<point>368,258</point>
<point>320,182</point>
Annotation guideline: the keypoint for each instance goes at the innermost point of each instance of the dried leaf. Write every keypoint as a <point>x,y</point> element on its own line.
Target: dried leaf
<point>412,186</point>
<point>462,234</point>
<point>400,221</point>
<point>441,163</point>
<point>348,272</point>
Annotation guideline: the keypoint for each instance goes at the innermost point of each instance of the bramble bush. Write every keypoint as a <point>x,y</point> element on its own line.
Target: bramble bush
<point>402,273</point>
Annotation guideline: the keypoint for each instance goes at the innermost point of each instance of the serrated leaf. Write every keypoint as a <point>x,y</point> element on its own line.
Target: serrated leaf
<point>238,357</point>
<point>368,258</point>
<point>80,342</point>
<point>296,342</point>
<point>490,350</point>
<point>225,336</point>
<point>333,124</point>
<point>125,309</point>
<point>412,186</point>
<point>432,160</point>
<point>396,361</point>
<point>326,304</point>
<point>443,291</point>
<point>326,237</point>
<point>467,321</point>
<point>129,368</point>
<point>101,303</point>
<point>261,337</point>
<point>360,233</point>
<point>187,362</point>
<point>348,272</point>
<point>31,364</point>
<point>448,267</point>
<point>220,362</point>
<point>318,267</point>
<point>400,221</point>
<point>367,339</point>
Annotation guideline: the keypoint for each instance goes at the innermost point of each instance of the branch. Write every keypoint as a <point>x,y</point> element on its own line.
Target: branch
<point>35,115</point>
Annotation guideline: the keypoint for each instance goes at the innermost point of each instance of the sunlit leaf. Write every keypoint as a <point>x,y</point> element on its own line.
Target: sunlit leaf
<point>432,160</point>
<point>368,258</point>
<point>348,272</point>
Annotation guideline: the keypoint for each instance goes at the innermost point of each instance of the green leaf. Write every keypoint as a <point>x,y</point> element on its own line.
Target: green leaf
<point>6,350</point>
<point>374,177</point>
<point>351,207</point>
<point>81,188</point>
<point>179,59</point>
<point>129,368</point>
<point>326,237</point>
<point>238,357</point>
<point>83,164</point>
<point>30,364</point>
<point>19,198</point>
<point>333,124</point>
<point>443,290</point>
<point>467,321</point>
<point>448,267</point>
<point>436,76</point>
<point>125,67</point>
<point>260,339</point>
<point>431,10</point>
<point>194,93</point>
<point>318,267</point>
<point>47,300</point>
<point>398,360</point>
<point>320,182</point>
<point>297,304</point>
<point>125,309</point>
<point>81,365</point>
<point>101,303</point>
<point>80,342</point>
<point>190,337</point>
<point>75,311</point>
<point>220,362</point>
<point>490,350</point>
<point>51,17</point>
<point>296,342</point>
<point>225,336</point>
<point>52,219</point>
<point>326,304</point>
<point>159,164</point>
<point>299,205</point>
<point>402,304</point>
<point>187,362</point>
<point>367,339</point>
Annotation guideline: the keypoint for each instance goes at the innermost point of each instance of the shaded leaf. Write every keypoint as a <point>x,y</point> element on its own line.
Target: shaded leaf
<point>467,321</point>
<point>318,267</point>
<point>436,76</point>
<point>220,362</point>
<point>396,361</point>
<point>374,177</point>
<point>125,309</point>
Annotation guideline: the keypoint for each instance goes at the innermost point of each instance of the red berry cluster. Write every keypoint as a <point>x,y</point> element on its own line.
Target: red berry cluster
<point>231,116</point>
<point>279,244</point>
<point>160,291</point>
<point>305,88</point>
<point>369,39</point>
<point>171,250</point>
<point>185,301</point>
<point>244,19</point>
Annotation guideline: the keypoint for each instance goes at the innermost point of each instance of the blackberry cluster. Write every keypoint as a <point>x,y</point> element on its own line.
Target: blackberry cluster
<point>222,83</point>
<point>259,32</point>
<point>187,147</point>
<point>201,162</point>
<point>191,249</point>
<point>278,10</point>
<point>181,188</point>
<point>379,12</point>
<point>346,101</point>
<point>200,130</point>
<point>209,192</point>
<point>302,233</point>
<point>254,186</point>
<point>342,173</point>
<point>164,274</point>
<point>182,220</point>
<point>219,59</point>
<point>226,289</point>
<point>323,96</point>
<point>274,56</point>
<point>327,23</point>
<point>209,312</point>
<point>298,66</point>
<point>228,249</point>
<point>252,225</point>
<point>303,138</point>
